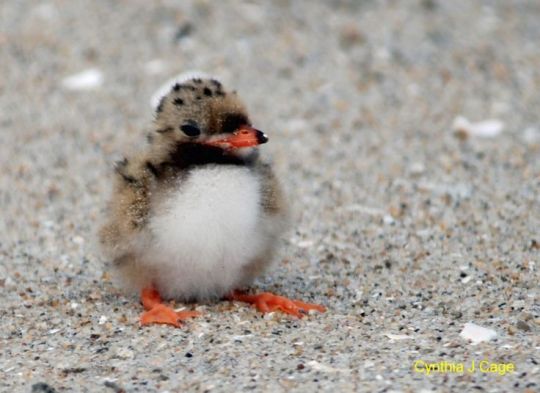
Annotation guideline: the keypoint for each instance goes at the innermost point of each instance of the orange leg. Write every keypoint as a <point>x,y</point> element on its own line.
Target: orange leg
<point>157,312</point>
<point>268,302</point>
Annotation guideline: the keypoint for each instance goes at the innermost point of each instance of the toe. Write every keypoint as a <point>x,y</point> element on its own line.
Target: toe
<point>267,302</point>
<point>160,314</point>
<point>183,315</point>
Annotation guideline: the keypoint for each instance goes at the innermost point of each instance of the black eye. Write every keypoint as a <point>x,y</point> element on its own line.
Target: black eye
<point>190,129</point>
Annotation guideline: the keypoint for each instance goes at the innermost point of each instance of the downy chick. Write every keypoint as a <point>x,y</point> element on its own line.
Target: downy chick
<point>197,215</point>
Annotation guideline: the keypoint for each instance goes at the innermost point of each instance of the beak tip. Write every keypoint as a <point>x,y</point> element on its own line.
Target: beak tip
<point>261,137</point>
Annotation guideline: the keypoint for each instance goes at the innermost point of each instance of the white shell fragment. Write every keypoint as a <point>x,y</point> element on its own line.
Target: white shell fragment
<point>86,80</point>
<point>323,367</point>
<point>482,129</point>
<point>477,333</point>
<point>166,87</point>
<point>305,243</point>
<point>395,337</point>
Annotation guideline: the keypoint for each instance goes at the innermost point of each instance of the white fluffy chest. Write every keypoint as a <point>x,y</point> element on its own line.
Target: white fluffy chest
<point>205,231</point>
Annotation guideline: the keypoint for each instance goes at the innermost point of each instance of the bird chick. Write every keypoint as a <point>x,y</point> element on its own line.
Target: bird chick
<point>197,215</point>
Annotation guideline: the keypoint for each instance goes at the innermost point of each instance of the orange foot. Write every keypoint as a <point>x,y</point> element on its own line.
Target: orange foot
<point>157,312</point>
<point>268,302</point>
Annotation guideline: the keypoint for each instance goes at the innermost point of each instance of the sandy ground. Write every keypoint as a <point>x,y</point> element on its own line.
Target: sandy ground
<point>406,229</point>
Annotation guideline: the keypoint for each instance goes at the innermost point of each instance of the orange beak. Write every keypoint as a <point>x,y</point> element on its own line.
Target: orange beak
<point>244,136</point>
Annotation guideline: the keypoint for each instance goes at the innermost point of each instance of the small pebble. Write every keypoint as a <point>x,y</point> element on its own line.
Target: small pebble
<point>522,325</point>
<point>42,387</point>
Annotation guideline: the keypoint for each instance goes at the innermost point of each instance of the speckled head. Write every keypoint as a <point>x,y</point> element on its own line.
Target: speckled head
<point>201,111</point>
